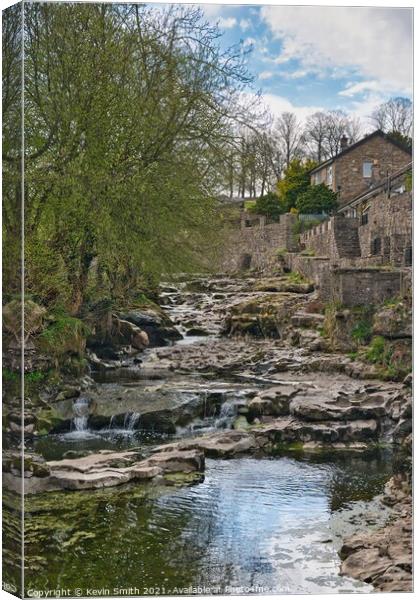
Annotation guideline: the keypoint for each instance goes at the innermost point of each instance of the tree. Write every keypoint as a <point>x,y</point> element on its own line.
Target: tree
<point>317,199</point>
<point>269,206</point>
<point>128,110</point>
<point>290,137</point>
<point>340,125</point>
<point>395,115</point>
<point>296,181</point>
<point>316,131</point>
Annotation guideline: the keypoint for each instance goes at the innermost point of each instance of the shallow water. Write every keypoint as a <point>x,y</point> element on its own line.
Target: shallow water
<point>253,525</point>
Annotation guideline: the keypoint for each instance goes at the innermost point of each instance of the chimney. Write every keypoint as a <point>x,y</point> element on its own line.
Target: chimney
<point>343,142</point>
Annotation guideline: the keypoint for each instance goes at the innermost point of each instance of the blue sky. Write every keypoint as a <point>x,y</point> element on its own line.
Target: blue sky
<point>316,57</point>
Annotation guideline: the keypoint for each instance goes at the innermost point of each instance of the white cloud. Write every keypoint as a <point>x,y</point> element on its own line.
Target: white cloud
<point>279,104</point>
<point>265,75</point>
<point>353,89</point>
<point>245,24</point>
<point>227,22</point>
<point>374,43</point>
<point>249,41</point>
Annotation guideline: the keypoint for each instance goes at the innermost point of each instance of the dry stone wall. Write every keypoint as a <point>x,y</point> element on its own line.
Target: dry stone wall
<point>257,246</point>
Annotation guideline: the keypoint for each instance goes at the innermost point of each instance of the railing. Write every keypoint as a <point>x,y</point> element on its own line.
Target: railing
<point>313,217</point>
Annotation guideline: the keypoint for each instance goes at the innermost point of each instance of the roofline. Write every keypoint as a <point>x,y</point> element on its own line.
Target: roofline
<point>379,132</point>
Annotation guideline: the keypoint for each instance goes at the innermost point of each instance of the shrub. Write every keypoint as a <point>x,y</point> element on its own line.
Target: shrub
<point>317,199</point>
<point>267,205</point>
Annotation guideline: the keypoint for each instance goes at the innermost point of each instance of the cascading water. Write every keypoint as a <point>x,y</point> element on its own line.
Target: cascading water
<point>131,420</point>
<point>81,414</point>
<point>228,412</point>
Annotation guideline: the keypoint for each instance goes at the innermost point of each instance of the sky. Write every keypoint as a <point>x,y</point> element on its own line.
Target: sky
<point>308,58</point>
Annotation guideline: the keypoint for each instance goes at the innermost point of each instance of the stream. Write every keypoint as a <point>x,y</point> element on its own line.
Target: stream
<point>253,525</point>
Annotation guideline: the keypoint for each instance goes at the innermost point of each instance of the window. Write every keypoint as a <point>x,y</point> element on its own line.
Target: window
<point>364,218</point>
<point>376,246</point>
<point>367,169</point>
<point>317,177</point>
<point>408,256</point>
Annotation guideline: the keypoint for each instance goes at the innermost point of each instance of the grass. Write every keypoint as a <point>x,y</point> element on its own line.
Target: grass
<point>362,331</point>
<point>65,335</point>
<point>295,277</point>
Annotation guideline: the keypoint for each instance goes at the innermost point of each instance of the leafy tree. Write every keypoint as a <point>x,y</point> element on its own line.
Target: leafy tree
<point>269,206</point>
<point>295,182</point>
<point>128,109</point>
<point>317,199</point>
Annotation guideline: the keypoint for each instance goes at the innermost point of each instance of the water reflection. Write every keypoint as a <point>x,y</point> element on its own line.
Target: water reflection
<point>263,523</point>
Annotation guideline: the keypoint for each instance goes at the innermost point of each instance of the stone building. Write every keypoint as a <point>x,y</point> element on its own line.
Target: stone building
<point>361,166</point>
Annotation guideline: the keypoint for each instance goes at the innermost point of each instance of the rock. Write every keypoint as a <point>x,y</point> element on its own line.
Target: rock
<point>107,469</point>
<point>393,321</point>
<point>383,557</point>
<point>197,331</point>
<point>303,319</point>
<point>261,316</point>
<point>69,391</point>
<point>361,406</point>
<point>158,326</point>
<point>217,445</point>
<point>283,284</point>
<point>129,334</point>
<point>365,564</point>
<point>274,401</point>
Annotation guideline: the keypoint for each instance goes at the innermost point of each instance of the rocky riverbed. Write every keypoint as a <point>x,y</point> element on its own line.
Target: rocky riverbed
<point>230,368</point>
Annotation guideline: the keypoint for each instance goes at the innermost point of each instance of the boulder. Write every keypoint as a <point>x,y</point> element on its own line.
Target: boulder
<point>158,326</point>
<point>359,406</point>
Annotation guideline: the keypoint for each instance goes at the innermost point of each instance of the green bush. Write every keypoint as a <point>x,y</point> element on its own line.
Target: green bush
<point>317,199</point>
<point>267,205</point>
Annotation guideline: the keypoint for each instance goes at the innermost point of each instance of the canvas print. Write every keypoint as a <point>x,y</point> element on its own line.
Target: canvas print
<point>207,299</point>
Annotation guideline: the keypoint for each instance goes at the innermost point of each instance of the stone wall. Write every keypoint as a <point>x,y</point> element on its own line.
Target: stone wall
<point>356,287</point>
<point>336,238</point>
<point>256,244</point>
<point>387,237</point>
<point>314,268</point>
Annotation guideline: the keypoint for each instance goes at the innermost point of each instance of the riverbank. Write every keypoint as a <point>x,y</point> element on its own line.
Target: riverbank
<point>255,374</point>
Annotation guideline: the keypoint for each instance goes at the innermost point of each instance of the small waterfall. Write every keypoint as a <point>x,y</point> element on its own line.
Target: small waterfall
<point>228,412</point>
<point>81,414</point>
<point>131,420</point>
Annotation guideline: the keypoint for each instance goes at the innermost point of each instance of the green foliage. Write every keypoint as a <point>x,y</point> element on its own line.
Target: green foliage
<point>295,182</point>
<point>317,199</point>
<point>128,111</point>
<point>377,351</point>
<point>361,332</point>
<point>409,181</point>
<point>64,336</point>
<point>269,206</point>
<point>295,277</point>
<point>402,139</point>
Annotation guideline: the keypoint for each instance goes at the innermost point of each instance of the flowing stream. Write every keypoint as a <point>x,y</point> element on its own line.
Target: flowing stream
<point>268,525</point>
